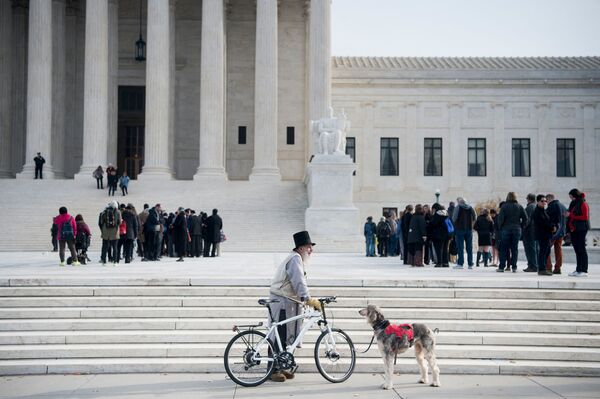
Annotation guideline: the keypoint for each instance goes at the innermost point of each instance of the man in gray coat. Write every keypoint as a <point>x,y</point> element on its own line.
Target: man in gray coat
<point>290,289</point>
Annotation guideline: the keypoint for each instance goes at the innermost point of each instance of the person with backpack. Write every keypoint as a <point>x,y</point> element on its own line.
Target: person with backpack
<point>82,238</point>
<point>384,231</point>
<point>369,233</point>
<point>131,230</point>
<point>109,221</point>
<point>98,174</point>
<point>67,230</point>
<point>440,234</point>
<point>556,212</point>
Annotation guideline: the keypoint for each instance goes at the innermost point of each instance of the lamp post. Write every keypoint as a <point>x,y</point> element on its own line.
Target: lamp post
<point>437,195</point>
<point>140,45</point>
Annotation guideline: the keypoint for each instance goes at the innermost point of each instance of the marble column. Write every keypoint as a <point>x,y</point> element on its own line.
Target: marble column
<point>72,97</point>
<point>5,87</point>
<point>158,82</point>
<point>113,80</point>
<point>542,174</point>
<point>591,179</point>
<point>19,83</point>
<point>39,89</point>
<point>458,168</point>
<point>413,145</point>
<point>500,153</point>
<point>265,93</point>
<point>319,63</point>
<point>172,55</point>
<point>212,92</point>
<point>95,96</point>
<point>58,87</point>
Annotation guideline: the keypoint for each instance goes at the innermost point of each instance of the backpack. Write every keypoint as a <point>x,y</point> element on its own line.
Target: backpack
<point>81,239</point>
<point>66,230</point>
<point>123,228</point>
<point>449,226</point>
<point>386,230</point>
<point>109,218</point>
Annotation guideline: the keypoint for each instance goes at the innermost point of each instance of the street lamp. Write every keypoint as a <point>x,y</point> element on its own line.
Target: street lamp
<point>437,195</point>
<point>140,45</point>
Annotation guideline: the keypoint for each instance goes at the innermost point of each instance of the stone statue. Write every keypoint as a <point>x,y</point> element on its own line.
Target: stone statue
<point>329,134</point>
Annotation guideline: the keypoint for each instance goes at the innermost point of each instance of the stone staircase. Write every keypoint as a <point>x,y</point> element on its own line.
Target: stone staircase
<point>256,216</point>
<point>50,326</point>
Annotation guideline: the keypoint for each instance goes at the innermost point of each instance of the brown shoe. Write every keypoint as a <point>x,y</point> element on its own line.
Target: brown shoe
<point>556,271</point>
<point>288,375</point>
<point>278,377</point>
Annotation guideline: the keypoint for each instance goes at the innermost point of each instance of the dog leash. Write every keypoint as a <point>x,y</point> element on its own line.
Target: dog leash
<point>370,343</point>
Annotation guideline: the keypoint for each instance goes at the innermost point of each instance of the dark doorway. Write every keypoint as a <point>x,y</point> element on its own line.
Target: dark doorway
<point>132,116</point>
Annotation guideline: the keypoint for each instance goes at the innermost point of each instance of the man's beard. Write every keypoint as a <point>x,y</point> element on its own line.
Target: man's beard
<point>305,258</point>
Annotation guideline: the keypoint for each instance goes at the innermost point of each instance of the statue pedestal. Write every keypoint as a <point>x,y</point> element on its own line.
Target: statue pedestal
<point>331,218</point>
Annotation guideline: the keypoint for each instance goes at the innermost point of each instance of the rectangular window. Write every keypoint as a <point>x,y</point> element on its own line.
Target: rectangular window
<point>433,157</point>
<point>351,150</point>
<point>241,134</point>
<point>476,157</point>
<point>565,157</point>
<point>388,162</point>
<point>291,135</point>
<point>521,157</point>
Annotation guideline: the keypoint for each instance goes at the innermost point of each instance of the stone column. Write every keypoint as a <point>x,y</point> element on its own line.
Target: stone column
<point>113,80</point>
<point>58,87</point>
<point>546,156</point>
<point>369,156</point>
<point>265,93</point>
<point>158,80</point>
<point>19,83</point>
<point>39,89</point>
<point>5,87</point>
<point>212,92</point>
<point>500,151</point>
<point>319,63</point>
<point>172,56</point>
<point>411,150</point>
<point>458,166</point>
<point>95,95</point>
<point>591,179</point>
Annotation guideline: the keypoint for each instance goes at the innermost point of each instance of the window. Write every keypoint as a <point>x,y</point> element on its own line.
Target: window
<point>241,134</point>
<point>351,150</point>
<point>389,157</point>
<point>291,135</point>
<point>476,157</point>
<point>388,211</point>
<point>433,157</point>
<point>521,157</point>
<point>565,157</point>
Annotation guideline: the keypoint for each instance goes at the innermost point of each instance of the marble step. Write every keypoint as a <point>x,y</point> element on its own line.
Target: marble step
<point>344,293</point>
<point>225,324</point>
<point>405,365</point>
<point>359,337</point>
<point>231,312</point>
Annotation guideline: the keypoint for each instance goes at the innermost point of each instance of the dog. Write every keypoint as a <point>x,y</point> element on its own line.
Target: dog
<point>394,340</point>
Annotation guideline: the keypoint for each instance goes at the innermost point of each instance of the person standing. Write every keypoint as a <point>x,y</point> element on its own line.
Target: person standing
<point>438,229</point>
<point>543,230</point>
<point>196,234</point>
<point>408,213</point>
<point>39,165</point>
<point>393,242</point>
<point>484,226</point>
<point>53,233</point>
<point>99,176</point>
<point>530,244</point>
<point>131,229</point>
<point>111,181</point>
<point>141,249</point>
<point>124,183</point>
<point>214,225</point>
<point>578,225</point>
<point>511,218</point>
<point>67,230</point>
<point>109,221</point>
<point>417,234</point>
<point>82,238</point>
<point>151,229</point>
<point>290,289</point>
<point>463,219</point>
<point>556,211</point>
<point>180,233</point>
<point>369,231</point>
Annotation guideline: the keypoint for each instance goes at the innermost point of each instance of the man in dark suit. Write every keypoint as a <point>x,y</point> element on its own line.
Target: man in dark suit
<point>39,165</point>
<point>214,227</point>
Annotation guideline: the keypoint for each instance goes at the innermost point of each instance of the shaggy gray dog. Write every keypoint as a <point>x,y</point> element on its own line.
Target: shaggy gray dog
<point>390,344</point>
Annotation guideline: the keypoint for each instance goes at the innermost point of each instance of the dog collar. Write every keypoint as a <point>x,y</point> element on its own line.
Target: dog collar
<point>381,325</point>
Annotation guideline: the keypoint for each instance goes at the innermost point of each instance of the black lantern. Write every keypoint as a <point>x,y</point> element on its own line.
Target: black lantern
<point>140,45</point>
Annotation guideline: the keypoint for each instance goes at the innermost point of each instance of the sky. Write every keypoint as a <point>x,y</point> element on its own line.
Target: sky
<point>460,28</point>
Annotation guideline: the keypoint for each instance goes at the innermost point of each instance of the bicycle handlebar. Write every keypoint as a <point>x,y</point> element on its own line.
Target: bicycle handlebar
<point>327,299</point>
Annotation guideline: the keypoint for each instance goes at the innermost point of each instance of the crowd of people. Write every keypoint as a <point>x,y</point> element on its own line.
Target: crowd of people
<point>112,180</point>
<point>423,235</point>
<point>151,234</point>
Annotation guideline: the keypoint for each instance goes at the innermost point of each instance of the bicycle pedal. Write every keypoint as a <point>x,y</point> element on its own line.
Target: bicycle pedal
<point>294,368</point>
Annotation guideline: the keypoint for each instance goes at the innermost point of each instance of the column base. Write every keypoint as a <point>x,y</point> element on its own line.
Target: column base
<point>265,175</point>
<point>28,172</point>
<point>155,173</point>
<point>6,174</point>
<point>212,174</point>
<point>85,173</point>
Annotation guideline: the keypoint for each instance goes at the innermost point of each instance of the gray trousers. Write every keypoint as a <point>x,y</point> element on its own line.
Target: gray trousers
<point>531,250</point>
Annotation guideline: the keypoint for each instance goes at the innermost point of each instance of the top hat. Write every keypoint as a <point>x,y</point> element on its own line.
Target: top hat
<point>302,238</point>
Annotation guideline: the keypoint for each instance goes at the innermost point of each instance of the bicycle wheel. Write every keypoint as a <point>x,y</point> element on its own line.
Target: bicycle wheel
<point>246,358</point>
<point>335,355</point>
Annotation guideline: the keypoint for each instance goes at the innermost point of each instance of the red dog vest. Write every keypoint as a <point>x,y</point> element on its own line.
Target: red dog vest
<point>401,330</point>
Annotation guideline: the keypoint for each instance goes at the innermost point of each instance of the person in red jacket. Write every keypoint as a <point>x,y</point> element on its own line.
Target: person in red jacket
<point>67,231</point>
<point>578,225</point>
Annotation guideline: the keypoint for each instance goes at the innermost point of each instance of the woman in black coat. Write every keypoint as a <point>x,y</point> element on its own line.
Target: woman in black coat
<point>405,227</point>
<point>180,234</point>
<point>438,233</point>
<point>417,233</point>
<point>484,226</point>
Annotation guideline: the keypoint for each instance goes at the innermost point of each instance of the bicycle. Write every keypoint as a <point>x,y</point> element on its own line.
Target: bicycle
<point>250,356</point>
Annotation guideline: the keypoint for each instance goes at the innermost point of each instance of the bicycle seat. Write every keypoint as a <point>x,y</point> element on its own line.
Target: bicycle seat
<point>266,302</point>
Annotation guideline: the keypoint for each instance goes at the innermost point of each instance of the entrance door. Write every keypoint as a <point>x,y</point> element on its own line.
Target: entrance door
<point>132,115</point>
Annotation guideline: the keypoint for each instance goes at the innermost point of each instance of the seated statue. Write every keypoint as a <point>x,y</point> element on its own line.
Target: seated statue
<point>329,134</point>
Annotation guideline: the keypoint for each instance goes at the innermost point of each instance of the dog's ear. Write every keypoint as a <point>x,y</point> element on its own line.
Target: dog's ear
<point>375,313</point>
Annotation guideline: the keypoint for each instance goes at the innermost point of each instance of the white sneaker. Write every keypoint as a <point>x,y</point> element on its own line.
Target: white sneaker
<point>580,274</point>
<point>61,264</point>
<point>574,274</point>
<point>76,263</point>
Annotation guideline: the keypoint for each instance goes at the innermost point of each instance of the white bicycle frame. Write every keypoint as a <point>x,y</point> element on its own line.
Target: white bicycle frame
<point>313,316</point>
